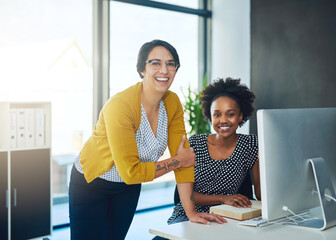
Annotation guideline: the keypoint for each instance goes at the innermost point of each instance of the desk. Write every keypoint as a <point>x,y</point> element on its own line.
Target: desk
<point>232,230</point>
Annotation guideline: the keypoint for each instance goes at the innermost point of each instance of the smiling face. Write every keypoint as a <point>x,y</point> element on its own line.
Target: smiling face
<point>160,79</point>
<point>225,116</point>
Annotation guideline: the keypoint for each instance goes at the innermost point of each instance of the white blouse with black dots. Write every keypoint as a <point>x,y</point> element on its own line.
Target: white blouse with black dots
<point>150,148</point>
<point>214,177</point>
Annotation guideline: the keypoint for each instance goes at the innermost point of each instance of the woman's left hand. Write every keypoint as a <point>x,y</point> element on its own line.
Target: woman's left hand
<point>205,218</point>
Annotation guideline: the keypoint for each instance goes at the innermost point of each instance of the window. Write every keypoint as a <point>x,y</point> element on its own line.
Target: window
<point>142,24</point>
<point>184,26</point>
<point>46,55</point>
<point>46,51</point>
<point>131,25</point>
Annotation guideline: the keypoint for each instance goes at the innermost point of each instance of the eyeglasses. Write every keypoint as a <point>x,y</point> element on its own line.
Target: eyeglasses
<point>156,64</point>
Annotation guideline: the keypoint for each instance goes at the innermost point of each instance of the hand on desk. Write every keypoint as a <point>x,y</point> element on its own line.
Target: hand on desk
<point>236,200</point>
<point>205,218</point>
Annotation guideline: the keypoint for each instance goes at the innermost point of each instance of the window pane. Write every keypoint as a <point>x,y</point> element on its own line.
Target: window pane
<point>45,55</point>
<point>184,3</point>
<point>142,24</point>
<point>128,32</point>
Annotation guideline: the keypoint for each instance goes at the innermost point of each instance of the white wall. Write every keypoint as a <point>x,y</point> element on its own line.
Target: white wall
<point>231,42</point>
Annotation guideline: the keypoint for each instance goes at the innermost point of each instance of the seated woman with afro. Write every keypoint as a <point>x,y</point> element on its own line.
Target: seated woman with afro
<point>225,158</point>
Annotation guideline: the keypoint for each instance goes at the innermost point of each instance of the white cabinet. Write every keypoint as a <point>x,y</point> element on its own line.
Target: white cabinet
<point>25,170</point>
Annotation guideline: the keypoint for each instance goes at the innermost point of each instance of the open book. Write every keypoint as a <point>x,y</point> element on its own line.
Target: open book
<point>238,213</point>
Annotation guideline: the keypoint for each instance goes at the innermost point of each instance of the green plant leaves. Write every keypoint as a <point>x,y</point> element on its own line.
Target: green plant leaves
<point>193,109</point>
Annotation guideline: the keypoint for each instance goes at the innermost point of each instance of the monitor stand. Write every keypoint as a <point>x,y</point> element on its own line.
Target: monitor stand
<point>324,188</point>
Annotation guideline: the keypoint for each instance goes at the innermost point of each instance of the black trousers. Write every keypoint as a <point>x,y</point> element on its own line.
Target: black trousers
<point>100,209</point>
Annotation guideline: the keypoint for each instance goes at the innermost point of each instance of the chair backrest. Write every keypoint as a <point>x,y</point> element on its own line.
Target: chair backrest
<point>244,189</point>
<point>246,186</point>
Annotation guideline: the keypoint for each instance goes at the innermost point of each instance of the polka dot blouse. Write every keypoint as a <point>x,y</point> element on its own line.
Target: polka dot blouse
<point>150,148</point>
<point>214,177</point>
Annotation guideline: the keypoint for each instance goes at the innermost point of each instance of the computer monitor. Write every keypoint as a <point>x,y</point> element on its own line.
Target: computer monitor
<point>287,139</point>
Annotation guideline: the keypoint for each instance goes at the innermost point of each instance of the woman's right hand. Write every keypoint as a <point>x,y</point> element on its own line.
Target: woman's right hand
<point>205,218</point>
<point>186,156</point>
<point>236,200</point>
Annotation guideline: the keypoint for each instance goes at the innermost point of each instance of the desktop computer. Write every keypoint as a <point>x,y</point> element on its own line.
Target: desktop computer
<point>297,155</point>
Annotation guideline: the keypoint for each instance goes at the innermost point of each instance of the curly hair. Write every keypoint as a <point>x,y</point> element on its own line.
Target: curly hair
<point>230,88</point>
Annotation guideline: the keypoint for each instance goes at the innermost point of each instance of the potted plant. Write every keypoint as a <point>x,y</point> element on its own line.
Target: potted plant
<point>192,107</point>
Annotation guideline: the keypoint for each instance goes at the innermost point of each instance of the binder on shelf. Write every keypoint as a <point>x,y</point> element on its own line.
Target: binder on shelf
<point>30,127</point>
<point>39,127</point>
<point>21,131</point>
<point>12,128</point>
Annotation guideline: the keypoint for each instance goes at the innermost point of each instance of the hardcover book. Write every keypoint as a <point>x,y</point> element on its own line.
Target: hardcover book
<point>238,213</point>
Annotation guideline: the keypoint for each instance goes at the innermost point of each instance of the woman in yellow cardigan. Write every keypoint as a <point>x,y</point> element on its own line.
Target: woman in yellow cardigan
<point>133,130</point>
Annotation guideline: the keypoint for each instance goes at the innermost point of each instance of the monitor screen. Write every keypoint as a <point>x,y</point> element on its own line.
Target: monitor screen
<point>287,139</point>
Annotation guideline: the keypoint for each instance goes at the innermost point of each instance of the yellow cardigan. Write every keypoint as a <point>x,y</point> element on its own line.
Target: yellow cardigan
<point>113,139</point>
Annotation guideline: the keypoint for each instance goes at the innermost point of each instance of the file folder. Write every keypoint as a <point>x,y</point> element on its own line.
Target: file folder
<point>30,127</point>
<point>39,127</point>
<point>12,128</point>
<point>21,131</point>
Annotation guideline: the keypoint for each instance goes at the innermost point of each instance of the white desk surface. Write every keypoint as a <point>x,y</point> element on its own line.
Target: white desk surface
<point>232,230</point>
